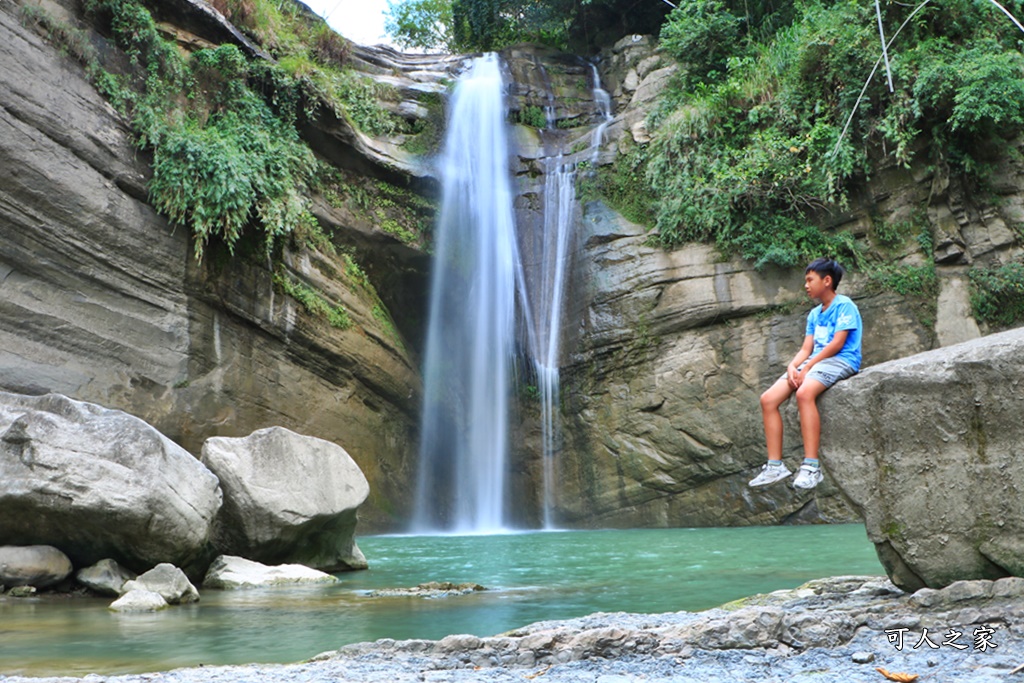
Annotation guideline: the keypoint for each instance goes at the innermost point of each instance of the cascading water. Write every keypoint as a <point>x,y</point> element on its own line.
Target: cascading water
<point>604,109</point>
<point>477,275</point>
<point>559,202</point>
<point>463,452</point>
<point>549,295</point>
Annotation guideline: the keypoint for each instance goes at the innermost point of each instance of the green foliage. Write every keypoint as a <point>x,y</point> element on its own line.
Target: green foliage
<point>580,26</point>
<point>311,300</point>
<point>383,317</point>
<point>227,156</point>
<point>395,210</point>
<point>912,281</point>
<point>701,35</point>
<point>574,122</point>
<point>748,149</point>
<point>224,158</point>
<point>426,135</point>
<point>623,186</point>
<point>532,116</point>
<point>358,98</point>
<point>69,39</point>
<point>286,28</point>
<point>891,234</point>
<point>354,272</point>
<point>350,95</point>
<point>424,24</point>
<point>997,294</point>
<point>238,164</point>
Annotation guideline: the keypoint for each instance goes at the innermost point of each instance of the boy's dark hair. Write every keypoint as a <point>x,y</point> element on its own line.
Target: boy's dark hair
<point>825,266</point>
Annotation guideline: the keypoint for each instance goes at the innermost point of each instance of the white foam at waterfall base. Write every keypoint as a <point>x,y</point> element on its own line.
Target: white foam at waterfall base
<point>464,438</point>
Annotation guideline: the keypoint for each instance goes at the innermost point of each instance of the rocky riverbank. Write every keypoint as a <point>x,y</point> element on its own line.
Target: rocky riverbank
<point>837,629</point>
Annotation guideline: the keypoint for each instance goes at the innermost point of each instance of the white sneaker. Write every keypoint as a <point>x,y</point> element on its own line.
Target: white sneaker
<point>770,474</point>
<point>807,477</point>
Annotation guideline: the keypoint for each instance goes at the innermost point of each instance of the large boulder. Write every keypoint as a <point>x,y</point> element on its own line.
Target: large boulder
<point>36,565</point>
<point>288,498</point>
<point>99,483</point>
<point>926,449</point>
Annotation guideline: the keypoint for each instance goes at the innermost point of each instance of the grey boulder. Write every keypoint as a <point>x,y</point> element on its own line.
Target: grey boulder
<point>139,600</point>
<point>106,577</point>
<point>168,582</point>
<point>288,498</point>
<point>35,565</point>
<point>99,483</point>
<point>927,449</point>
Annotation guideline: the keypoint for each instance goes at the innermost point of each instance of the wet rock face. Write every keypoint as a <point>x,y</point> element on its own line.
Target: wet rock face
<point>926,448</point>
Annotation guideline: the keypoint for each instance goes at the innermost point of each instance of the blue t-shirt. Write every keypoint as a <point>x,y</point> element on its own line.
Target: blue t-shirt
<point>842,314</point>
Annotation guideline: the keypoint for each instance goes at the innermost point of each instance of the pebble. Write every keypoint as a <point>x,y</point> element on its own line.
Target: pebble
<point>863,657</point>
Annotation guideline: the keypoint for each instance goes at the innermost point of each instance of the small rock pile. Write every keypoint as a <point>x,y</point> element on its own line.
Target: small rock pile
<point>430,589</point>
<point>26,569</point>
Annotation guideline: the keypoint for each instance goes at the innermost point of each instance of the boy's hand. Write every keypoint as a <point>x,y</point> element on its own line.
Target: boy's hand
<point>793,377</point>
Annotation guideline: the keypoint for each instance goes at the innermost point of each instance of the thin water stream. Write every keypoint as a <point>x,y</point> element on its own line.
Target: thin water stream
<point>532,576</point>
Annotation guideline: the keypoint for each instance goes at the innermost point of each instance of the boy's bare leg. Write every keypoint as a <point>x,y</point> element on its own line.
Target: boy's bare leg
<point>810,420</point>
<point>771,400</point>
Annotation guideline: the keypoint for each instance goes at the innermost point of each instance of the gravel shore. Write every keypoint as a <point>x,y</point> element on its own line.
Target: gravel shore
<point>839,629</point>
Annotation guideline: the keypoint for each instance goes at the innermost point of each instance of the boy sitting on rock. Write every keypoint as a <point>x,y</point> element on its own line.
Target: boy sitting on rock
<point>830,352</point>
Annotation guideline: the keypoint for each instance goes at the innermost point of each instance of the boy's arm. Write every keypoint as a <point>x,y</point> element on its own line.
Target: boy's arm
<point>800,357</point>
<point>831,349</point>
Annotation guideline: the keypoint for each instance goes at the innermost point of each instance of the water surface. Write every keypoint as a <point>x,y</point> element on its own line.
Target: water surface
<point>532,576</point>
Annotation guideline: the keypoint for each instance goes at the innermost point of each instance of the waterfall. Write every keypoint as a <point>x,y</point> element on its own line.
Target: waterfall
<point>547,304</point>
<point>470,337</point>
<point>604,109</point>
<point>559,202</point>
<point>471,331</point>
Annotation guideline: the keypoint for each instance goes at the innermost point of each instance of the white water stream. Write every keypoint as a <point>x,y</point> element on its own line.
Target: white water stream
<point>471,334</point>
<point>464,446</point>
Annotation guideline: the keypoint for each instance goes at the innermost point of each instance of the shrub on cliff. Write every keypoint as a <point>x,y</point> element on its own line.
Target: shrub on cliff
<point>223,130</point>
<point>749,146</point>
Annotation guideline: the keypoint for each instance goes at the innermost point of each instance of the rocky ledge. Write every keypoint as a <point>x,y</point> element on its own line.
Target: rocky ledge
<point>925,449</point>
<point>837,629</point>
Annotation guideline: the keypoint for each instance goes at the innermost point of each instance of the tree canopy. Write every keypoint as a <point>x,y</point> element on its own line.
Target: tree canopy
<point>581,26</point>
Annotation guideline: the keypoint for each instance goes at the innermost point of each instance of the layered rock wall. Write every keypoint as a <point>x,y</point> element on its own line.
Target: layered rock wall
<point>101,300</point>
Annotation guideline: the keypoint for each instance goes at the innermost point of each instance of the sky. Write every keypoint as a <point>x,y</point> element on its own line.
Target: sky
<point>361,21</point>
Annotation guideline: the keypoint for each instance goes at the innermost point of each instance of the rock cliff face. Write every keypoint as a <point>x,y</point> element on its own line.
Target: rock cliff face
<point>101,300</point>
<point>926,449</point>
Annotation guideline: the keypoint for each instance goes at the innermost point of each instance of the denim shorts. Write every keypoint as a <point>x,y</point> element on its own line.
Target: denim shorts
<point>827,371</point>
